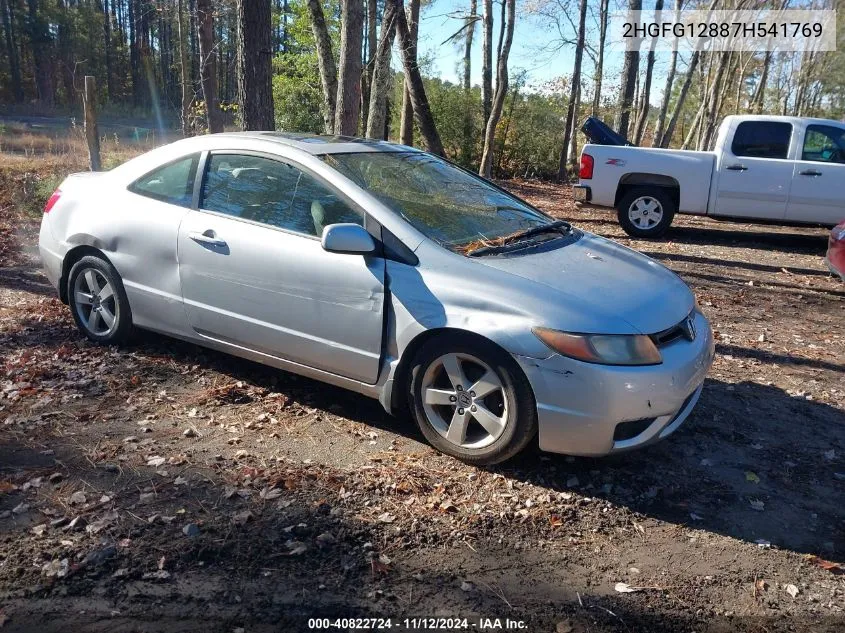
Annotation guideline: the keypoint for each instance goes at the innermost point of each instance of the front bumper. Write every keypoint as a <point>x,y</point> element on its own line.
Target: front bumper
<point>580,405</point>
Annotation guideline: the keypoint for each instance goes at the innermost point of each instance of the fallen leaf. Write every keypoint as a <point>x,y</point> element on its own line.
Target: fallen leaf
<point>555,520</point>
<point>564,626</point>
<point>834,568</point>
<point>78,498</point>
<point>792,590</point>
<point>624,587</point>
<point>241,518</point>
<point>270,493</point>
<point>156,461</point>
<point>758,505</point>
<point>752,477</point>
<point>386,517</point>
<point>378,567</point>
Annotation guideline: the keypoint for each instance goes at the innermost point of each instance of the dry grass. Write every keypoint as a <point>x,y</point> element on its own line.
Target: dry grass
<point>33,162</point>
<point>18,139</point>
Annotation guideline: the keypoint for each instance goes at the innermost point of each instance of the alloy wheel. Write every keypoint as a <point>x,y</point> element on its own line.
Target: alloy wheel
<point>95,302</point>
<point>464,400</point>
<point>645,212</point>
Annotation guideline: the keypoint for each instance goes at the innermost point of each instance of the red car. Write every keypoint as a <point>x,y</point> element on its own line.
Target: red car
<point>836,250</point>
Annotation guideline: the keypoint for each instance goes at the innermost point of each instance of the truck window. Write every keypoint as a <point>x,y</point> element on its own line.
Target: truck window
<point>762,139</point>
<point>824,144</point>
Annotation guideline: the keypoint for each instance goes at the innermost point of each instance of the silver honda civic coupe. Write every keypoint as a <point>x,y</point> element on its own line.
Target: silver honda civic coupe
<point>391,272</point>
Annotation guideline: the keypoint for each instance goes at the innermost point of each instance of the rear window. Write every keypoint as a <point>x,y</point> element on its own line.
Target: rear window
<point>762,139</point>
<point>172,183</point>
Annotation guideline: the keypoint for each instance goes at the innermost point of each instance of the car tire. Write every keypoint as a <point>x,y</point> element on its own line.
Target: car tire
<point>493,424</point>
<point>98,301</point>
<point>646,211</point>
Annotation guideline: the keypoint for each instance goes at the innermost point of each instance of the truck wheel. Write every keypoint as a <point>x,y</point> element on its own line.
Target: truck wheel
<point>646,211</point>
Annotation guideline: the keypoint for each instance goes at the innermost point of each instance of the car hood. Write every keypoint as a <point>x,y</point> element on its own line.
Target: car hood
<point>606,278</point>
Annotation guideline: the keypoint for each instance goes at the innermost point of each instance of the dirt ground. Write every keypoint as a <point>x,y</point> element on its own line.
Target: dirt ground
<point>163,487</point>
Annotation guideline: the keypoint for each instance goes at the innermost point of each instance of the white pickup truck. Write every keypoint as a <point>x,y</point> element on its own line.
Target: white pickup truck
<point>773,169</point>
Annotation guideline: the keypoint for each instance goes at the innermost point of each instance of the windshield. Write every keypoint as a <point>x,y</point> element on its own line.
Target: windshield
<point>445,203</point>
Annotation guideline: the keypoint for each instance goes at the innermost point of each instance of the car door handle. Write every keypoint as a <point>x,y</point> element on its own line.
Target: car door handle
<point>737,167</point>
<point>810,172</point>
<point>207,238</point>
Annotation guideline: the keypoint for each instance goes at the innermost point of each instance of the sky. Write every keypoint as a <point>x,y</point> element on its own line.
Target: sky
<point>438,22</point>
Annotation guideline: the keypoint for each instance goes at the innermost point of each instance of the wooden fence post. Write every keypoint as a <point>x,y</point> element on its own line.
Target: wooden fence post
<point>89,100</point>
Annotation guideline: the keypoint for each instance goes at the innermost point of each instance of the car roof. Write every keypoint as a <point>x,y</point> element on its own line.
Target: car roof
<point>319,144</point>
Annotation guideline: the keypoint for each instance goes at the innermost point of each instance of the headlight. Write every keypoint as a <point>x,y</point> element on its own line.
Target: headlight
<point>606,349</point>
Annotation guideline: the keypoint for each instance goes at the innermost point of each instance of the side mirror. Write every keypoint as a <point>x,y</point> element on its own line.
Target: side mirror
<point>347,238</point>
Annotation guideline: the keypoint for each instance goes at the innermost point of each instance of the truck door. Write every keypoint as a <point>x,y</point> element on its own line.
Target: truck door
<point>818,181</point>
<point>755,173</point>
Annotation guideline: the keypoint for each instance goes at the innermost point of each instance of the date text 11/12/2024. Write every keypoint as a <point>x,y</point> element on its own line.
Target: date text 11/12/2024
<point>485,625</point>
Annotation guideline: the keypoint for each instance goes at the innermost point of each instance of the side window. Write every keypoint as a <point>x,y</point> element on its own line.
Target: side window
<point>249,187</point>
<point>316,206</point>
<point>271,192</point>
<point>762,139</point>
<point>172,183</point>
<point>824,143</point>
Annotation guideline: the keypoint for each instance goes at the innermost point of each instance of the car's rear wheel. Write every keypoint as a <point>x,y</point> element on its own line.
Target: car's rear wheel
<point>98,301</point>
<point>646,211</point>
<point>471,400</point>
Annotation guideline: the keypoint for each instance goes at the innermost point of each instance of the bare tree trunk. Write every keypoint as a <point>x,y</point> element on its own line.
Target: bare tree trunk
<point>742,68</point>
<point>600,59</point>
<point>805,78</point>
<point>682,97</point>
<point>92,136</point>
<point>487,61</point>
<point>377,109</point>
<point>12,51</point>
<point>39,38</point>
<point>208,66</point>
<point>185,71</point>
<point>645,93</point>
<point>406,123</point>
<point>416,89</point>
<point>107,49</point>
<point>349,77</point>
<point>667,89</point>
<point>574,87</point>
<point>501,92</point>
<point>717,96</point>
<point>468,144</point>
<point>630,71</point>
<point>325,61</point>
<point>573,136</point>
<point>370,65</point>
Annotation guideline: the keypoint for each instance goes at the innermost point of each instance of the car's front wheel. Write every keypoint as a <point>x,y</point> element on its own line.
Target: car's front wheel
<point>646,211</point>
<point>471,400</point>
<point>98,301</point>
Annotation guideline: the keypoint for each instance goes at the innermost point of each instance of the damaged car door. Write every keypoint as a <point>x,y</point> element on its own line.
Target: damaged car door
<point>254,273</point>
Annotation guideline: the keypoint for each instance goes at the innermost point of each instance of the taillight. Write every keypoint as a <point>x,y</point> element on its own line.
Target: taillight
<point>53,200</point>
<point>586,171</point>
